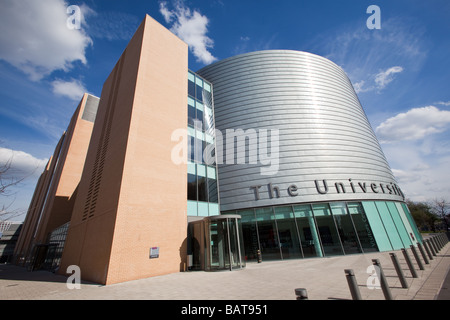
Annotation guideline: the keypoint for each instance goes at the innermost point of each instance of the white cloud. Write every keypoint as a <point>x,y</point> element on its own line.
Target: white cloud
<point>383,78</point>
<point>35,38</point>
<point>191,27</point>
<point>22,164</point>
<point>73,89</point>
<point>447,104</point>
<point>414,124</point>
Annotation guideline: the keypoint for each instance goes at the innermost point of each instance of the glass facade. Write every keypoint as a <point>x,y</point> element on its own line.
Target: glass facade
<point>326,229</point>
<point>203,197</point>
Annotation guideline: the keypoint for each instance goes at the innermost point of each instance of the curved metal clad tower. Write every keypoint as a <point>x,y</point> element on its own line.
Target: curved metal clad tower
<point>327,148</point>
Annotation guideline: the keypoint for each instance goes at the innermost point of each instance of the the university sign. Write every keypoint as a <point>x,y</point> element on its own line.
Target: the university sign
<point>323,187</point>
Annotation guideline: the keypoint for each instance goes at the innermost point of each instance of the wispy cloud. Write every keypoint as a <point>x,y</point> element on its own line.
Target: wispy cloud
<point>73,89</point>
<point>111,25</point>
<point>190,26</point>
<point>377,81</point>
<point>447,104</point>
<point>35,37</point>
<point>373,58</point>
<point>383,78</point>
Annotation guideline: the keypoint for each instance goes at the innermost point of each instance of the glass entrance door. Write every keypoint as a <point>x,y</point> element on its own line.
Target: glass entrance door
<point>224,246</point>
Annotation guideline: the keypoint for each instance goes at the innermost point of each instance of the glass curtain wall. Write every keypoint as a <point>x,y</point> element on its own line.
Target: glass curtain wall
<point>324,229</point>
<point>202,175</point>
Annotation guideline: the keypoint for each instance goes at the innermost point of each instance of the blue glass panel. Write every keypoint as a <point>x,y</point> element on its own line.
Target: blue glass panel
<point>389,225</point>
<point>377,226</point>
<point>399,224</point>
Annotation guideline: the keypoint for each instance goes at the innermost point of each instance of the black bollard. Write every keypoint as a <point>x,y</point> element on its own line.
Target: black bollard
<point>258,254</point>
<point>301,294</point>
<point>409,263</point>
<point>427,248</point>
<point>352,284</point>
<point>383,281</point>
<point>416,256</point>
<point>399,270</point>
<point>422,252</point>
<point>436,244</point>
<point>431,246</point>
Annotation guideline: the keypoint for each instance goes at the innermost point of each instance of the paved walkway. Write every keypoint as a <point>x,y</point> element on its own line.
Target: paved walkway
<point>324,279</point>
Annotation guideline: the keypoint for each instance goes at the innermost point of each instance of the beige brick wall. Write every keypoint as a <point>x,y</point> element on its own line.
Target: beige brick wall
<point>141,195</point>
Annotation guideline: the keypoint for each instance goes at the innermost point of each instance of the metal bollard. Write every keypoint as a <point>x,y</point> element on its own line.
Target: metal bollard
<point>431,246</point>
<point>382,278</point>
<point>427,248</point>
<point>301,294</point>
<point>422,252</point>
<point>409,263</point>
<point>436,244</point>
<point>441,242</point>
<point>258,254</point>
<point>352,284</point>
<point>399,270</point>
<point>416,256</point>
<point>441,237</point>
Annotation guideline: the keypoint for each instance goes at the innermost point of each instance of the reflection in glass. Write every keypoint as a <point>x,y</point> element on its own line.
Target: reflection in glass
<point>329,236</point>
<point>192,187</point>
<point>268,235</point>
<point>308,232</point>
<point>250,234</point>
<point>345,228</point>
<point>202,190</point>
<point>287,233</point>
<point>191,88</point>
<point>365,234</point>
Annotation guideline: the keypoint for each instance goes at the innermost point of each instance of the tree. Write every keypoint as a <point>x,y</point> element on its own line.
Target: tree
<point>7,181</point>
<point>422,214</point>
<point>441,208</point>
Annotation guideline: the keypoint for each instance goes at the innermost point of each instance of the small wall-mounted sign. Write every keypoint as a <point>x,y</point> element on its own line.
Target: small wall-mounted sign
<point>154,252</point>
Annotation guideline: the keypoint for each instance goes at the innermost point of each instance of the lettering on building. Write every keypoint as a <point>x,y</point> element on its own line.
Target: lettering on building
<point>324,187</point>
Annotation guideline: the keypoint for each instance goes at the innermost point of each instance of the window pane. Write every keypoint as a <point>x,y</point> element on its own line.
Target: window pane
<point>202,191</point>
<point>287,231</point>
<point>399,225</point>
<point>191,148</point>
<point>212,190</point>
<point>192,187</point>
<point>308,232</point>
<point>345,228</point>
<point>389,225</point>
<point>250,234</point>
<point>199,93</point>
<point>362,226</point>
<point>191,115</point>
<point>327,230</point>
<point>268,235</point>
<point>377,226</point>
<point>191,88</point>
<point>199,118</point>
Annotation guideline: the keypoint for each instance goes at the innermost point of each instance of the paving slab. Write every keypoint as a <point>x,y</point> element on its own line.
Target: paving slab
<point>324,279</point>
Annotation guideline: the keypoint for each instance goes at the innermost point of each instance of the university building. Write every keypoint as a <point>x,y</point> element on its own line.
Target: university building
<point>262,156</point>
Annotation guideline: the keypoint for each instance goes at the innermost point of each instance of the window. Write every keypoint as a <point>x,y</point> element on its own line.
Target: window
<point>329,236</point>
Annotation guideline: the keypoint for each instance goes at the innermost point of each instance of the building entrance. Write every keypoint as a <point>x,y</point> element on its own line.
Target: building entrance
<point>215,243</point>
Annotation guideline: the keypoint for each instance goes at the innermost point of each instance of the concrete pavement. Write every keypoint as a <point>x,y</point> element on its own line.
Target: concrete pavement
<point>324,279</point>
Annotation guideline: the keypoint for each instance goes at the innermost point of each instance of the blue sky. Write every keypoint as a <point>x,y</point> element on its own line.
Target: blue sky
<point>400,71</point>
